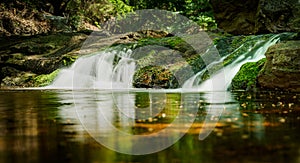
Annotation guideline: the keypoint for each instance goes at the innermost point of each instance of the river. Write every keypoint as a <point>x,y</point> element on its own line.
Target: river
<point>101,126</point>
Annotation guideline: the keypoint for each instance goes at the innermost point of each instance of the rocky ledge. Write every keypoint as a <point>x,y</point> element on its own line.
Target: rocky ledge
<point>23,58</point>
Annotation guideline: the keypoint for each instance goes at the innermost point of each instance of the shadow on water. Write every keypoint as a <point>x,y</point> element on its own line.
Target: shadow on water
<point>63,126</point>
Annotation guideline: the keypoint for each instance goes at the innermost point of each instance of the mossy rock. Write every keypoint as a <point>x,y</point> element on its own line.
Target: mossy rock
<point>153,54</point>
<point>245,79</point>
<point>282,68</point>
<point>154,77</point>
<point>45,79</point>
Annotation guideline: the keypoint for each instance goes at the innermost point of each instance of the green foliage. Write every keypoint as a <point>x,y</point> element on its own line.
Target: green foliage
<point>245,79</point>
<point>75,21</point>
<point>120,8</point>
<point>95,11</point>
<point>201,12</point>
<point>45,79</point>
<point>170,5</point>
<point>205,22</point>
<point>98,11</point>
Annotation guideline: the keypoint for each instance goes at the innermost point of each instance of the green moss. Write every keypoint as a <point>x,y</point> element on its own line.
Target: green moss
<point>68,60</point>
<point>175,43</point>
<point>154,77</point>
<point>45,79</point>
<point>246,77</point>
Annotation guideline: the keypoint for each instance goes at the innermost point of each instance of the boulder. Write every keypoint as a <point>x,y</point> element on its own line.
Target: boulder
<point>154,77</point>
<point>257,16</point>
<point>282,68</point>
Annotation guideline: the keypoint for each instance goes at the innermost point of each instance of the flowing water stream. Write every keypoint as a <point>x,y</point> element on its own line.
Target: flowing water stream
<point>221,79</point>
<point>91,113</point>
<point>98,71</point>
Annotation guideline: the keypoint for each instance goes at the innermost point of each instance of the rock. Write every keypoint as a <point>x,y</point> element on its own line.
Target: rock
<point>163,62</point>
<point>282,67</point>
<point>29,48</point>
<point>235,16</point>
<point>257,16</point>
<point>154,77</point>
<point>278,16</point>
<point>22,58</point>
<point>245,79</point>
<point>43,54</point>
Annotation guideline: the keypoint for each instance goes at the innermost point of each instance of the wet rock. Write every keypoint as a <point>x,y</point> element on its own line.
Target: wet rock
<point>154,77</point>
<point>245,79</point>
<point>22,79</point>
<point>163,62</point>
<point>257,16</point>
<point>282,67</point>
<point>23,58</point>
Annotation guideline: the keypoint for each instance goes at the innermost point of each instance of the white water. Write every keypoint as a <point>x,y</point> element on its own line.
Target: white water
<point>221,80</point>
<point>98,71</point>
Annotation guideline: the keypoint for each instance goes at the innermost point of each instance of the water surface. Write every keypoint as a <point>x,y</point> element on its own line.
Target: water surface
<point>65,126</point>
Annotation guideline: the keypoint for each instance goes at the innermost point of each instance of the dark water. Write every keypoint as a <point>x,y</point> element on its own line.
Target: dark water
<point>65,126</point>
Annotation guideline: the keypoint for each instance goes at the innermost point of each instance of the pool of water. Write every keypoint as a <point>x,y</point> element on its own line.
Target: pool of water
<point>148,126</point>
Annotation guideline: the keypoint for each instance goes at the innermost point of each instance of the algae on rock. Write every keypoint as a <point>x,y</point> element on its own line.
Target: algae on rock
<point>245,79</point>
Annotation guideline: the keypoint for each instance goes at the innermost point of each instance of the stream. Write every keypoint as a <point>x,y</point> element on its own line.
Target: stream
<point>64,126</point>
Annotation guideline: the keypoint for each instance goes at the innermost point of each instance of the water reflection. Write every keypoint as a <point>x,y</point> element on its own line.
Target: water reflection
<point>63,126</point>
<point>116,121</point>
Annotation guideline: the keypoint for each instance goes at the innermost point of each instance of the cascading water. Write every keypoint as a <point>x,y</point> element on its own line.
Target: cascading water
<point>221,79</point>
<point>103,71</point>
<point>115,69</point>
<point>98,71</point>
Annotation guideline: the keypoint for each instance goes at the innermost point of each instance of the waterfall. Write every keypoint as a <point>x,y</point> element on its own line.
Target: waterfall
<point>221,79</point>
<point>115,69</point>
<point>104,70</point>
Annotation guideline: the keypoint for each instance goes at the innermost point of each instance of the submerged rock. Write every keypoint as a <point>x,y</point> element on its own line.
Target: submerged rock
<point>257,16</point>
<point>282,67</point>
